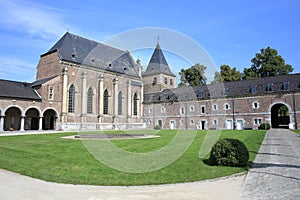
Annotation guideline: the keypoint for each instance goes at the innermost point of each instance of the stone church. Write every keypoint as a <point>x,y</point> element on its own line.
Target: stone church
<point>86,85</point>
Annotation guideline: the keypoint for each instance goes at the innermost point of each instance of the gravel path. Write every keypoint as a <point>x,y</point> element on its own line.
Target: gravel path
<point>276,170</point>
<point>15,187</point>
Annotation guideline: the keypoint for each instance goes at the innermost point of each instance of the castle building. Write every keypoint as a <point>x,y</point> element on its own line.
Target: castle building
<point>85,85</point>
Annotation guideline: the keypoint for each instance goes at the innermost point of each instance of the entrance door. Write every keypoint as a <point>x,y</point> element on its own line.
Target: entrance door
<point>202,125</point>
<point>239,124</point>
<point>172,124</point>
<point>229,124</point>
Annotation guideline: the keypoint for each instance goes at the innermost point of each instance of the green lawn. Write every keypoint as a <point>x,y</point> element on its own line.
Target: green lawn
<point>51,158</point>
<point>297,131</point>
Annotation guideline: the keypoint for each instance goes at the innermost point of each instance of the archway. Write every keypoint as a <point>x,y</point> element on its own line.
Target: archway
<point>49,120</point>
<point>32,119</point>
<point>280,117</point>
<point>12,119</point>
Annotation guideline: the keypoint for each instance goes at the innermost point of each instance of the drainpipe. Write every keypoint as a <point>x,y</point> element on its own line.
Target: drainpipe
<point>186,123</point>
<point>233,114</point>
<point>295,114</point>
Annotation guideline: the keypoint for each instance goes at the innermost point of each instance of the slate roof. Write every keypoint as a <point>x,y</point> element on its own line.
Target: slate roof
<point>21,90</point>
<point>42,81</point>
<point>158,64</point>
<point>80,50</point>
<point>229,89</point>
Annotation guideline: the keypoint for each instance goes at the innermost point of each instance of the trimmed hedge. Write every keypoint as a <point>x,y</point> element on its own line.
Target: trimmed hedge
<point>264,126</point>
<point>229,152</point>
<point>157,127</point>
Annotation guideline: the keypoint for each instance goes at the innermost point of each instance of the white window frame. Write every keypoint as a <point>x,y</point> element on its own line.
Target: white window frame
<point>192,108</point>
<point>51,93</point>
<point>253,105</point>
<point>192,121</point>
<point>257,121</point>
<point>215,107</point>
<point>226,105</point>
<point>202,108</point>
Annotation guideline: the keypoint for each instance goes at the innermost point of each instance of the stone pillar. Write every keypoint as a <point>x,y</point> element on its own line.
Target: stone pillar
<point>1,123</point>
<point>83,98</point>
<point>22,123</point>
<point>64,105</point>
<point>141,101</point>
<point>40,123</point>
<point>116,91</point>
<point>100,100</point>
<point>129,102</point>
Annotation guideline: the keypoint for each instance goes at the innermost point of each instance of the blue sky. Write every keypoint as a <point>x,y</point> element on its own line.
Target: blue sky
<point>231,32</point>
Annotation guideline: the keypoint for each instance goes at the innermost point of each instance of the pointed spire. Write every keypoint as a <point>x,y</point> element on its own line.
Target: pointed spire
<point>158,63</point>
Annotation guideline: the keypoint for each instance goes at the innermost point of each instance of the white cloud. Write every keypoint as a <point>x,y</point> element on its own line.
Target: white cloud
<point>32,18</point>
<point>17,69</point>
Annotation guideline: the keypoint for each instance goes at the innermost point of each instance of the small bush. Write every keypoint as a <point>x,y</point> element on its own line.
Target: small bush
<point>229,152</point>
<point>264,126</point>
<point>157,127</point>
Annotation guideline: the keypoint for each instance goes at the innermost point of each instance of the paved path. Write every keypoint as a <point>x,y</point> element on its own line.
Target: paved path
<point>15,187</point>
<point>276,170</point>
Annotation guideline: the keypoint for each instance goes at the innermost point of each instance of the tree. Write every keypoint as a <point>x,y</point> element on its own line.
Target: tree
<point>193,76</point>
<point>217,78</point>
<point>227,74</point>
<point>267,63</point>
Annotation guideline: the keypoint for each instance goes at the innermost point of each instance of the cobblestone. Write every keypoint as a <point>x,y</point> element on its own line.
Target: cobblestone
<point>276,170</point>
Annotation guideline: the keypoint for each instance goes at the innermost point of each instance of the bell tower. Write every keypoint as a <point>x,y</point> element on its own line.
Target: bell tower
<point>158,75</point>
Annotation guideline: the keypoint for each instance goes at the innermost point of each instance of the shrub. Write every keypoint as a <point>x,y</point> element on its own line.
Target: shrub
<point>264,126</point>
<point>229,152</point>
<point>157,127</point>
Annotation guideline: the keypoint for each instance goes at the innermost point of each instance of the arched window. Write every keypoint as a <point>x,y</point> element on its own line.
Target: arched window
<point>120,103</point>
<point>135,104</point>
<point>71,102</point>
<point>90,101</point>
<point>105,102</point>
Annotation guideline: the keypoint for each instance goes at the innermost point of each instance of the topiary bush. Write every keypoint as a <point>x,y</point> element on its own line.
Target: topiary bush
<point>264,126</point>
<point>229,152</point>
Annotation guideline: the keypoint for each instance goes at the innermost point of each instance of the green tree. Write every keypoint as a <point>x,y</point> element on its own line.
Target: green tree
<point>193,76</point>
<point>267,63</point>
<point>217,78</point>
<point>227,74</point>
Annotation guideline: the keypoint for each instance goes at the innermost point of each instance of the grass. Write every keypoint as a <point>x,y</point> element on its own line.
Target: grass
<point>51,158</point>
<point>297,131</point>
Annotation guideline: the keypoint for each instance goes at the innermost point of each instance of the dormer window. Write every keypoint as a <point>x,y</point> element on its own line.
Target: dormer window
<point>269,87</point>
<point>225,91</point>
<point>253,89</point>
<point>286,86</point>
<point>200,94</point>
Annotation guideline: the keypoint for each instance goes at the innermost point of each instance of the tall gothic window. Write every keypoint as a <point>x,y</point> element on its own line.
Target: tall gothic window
<point>90,101</point>
<point>71,102</point>
<point>120,103</point>
<point>105,102</point>
<point>135,104</point>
